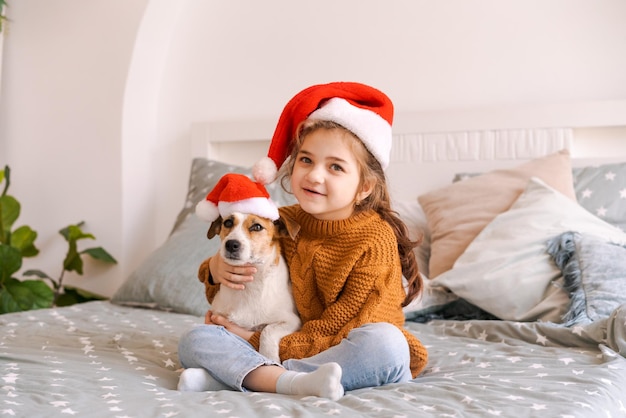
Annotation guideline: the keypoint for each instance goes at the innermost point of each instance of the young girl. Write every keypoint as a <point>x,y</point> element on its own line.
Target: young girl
<point>347,253</point>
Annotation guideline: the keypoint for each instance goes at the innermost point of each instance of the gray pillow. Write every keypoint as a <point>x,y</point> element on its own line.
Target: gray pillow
<point>595,275</point>
<point>167,280</point>
<point>602,191</point>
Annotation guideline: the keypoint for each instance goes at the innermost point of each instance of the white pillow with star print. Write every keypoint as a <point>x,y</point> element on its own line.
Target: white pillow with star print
<point>507,271</point>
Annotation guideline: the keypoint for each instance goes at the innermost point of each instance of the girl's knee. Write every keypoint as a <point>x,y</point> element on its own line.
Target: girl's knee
<point>190,336</point>
<point>191,339</point>
<point>201,333</point>
<point>383,338</point>
<point>387,344</point>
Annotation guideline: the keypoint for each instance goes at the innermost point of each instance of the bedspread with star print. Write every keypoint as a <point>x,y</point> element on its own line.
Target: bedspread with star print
<point>102,360</point>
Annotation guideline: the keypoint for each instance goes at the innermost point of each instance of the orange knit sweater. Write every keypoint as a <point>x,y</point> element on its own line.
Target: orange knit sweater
<point>344,274</point>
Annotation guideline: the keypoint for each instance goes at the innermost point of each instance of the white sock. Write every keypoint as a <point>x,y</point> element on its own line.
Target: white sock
<point>324,382</point>
<point>199,380</point>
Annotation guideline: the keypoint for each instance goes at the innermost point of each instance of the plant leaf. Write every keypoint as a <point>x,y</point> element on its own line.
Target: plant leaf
<point>74,232</point>
<point>23,238</point>
<point>101,254</point>
<point>67,298</point>
<point>9,212</point>
<point>25,295</point>
<point>10,262</point>
<point>37,273</point>
<point>72,261</point>
<point>73,295</point>
<point>6,173</point>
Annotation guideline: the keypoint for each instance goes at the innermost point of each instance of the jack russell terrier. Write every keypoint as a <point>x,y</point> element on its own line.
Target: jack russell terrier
<point>249,231</point>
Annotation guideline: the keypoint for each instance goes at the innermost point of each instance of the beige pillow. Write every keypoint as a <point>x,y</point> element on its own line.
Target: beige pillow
<point>507,270</point>
<point>457,213</point>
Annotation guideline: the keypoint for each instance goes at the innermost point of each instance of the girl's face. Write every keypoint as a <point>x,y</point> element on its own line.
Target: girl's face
<point>325,177</point>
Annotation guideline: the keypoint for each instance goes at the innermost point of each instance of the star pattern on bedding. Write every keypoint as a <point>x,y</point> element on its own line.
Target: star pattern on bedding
<point>106,376</point>
<point>517,376</point>
<point>495,368</point>
<point>601,190</point>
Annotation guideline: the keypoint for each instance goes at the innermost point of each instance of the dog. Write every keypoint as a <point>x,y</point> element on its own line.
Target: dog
<point>267,302</point>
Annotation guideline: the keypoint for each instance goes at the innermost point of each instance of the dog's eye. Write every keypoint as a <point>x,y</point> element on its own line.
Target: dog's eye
<point>228,223</point>
<point>256,227</point>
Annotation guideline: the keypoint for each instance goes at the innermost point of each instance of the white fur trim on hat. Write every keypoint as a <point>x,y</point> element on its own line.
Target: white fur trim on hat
<point>259,206</point>
<point>236,193</point>
<point>371,128</point>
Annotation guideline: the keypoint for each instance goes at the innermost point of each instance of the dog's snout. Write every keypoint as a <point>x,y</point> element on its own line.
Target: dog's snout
<point>232,245</point>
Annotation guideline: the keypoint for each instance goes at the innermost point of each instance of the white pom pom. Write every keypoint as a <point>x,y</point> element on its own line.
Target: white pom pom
<point>207,211</point>
<point>264,171</point>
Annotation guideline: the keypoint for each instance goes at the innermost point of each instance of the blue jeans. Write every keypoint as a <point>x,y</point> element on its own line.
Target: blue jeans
<point>374,354</point>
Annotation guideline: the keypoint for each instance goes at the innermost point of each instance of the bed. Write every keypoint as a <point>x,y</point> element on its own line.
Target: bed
<point>524,308</point>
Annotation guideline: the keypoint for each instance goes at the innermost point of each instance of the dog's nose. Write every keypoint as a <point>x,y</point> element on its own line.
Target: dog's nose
<point>232,245</point>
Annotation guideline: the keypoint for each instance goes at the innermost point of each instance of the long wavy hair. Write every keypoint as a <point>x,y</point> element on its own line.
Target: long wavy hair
<point>379,199</point>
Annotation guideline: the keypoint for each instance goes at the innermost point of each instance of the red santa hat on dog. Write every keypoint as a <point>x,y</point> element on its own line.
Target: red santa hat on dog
<point>236,193</point>
<point>363,110</point>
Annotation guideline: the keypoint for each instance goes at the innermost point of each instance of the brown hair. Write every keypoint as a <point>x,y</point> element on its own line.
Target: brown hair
<point>379,199</point>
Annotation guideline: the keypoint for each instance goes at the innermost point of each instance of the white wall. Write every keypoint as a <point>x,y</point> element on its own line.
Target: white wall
<point>65,68</point>
<point>97,97</point>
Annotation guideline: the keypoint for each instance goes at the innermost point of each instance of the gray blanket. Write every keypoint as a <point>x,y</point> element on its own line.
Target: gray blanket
<point>99,359</point>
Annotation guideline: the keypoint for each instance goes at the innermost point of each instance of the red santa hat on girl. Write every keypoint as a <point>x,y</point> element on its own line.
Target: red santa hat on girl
<point>236,193</point>
<point>363,110</point>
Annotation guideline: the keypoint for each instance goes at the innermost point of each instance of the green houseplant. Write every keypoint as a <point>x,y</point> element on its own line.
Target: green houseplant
<point>2,16</point>
<point>42,291</point>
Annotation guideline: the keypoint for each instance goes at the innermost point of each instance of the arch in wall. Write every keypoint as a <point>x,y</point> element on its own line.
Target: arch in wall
<point>140,126</point>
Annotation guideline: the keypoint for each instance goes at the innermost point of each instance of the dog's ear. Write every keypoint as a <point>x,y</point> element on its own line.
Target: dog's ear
<point>204,271</point>
<point>215,228</point>
<point>286,228</point>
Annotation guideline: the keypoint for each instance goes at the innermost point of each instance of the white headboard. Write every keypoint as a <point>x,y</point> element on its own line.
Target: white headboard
<point>430,147</point>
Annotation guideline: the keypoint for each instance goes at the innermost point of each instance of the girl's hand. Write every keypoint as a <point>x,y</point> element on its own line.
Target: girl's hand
<point>215,319</point>
<point>207,317</point>
<point>228,275</point>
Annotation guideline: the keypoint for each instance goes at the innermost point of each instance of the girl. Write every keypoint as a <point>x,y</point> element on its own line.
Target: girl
<point>347,252</point>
